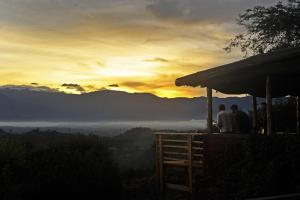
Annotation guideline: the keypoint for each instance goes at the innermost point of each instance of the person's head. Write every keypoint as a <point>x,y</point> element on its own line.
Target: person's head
<point>221,107</point>
<point>234,107</point>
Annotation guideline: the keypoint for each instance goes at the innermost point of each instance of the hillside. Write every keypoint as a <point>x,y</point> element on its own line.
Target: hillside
<point>31,105</point>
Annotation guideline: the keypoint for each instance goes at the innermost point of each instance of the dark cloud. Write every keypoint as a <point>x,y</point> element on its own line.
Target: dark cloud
<point>202,11</point>
<point>73,86</point>
<point>102,88</point>
<point>91,87</point>
<point>69,12</point>
<point>157,59</point>
<point>34,84</point>
<point>29,88</point>
<point>58,13</point>
<point>113,85</point>
<point>141,85</point>
<point>134,84</point>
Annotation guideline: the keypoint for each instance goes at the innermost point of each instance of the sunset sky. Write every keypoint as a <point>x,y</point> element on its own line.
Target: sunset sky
<point>130,45</point>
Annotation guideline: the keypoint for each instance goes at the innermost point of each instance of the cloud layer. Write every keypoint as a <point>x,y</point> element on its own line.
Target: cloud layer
<point>73,86</point>
<point>212,11</point>
<point>137,45</point>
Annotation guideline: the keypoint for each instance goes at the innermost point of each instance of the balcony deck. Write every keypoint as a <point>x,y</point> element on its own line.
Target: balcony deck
<point>187,154</point>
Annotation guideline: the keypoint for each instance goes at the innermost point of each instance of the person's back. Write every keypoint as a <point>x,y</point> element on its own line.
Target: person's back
<point>242,120</point>
<point>224,120</point>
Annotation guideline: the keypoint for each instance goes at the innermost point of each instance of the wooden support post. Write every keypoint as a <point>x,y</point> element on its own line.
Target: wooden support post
<point>254,104</point>
<point>269,105</point>
<point>157,153</point>
<point>160,164</point>
<point>190,164</point>
<point>209,110</point>
<point>298,117</point>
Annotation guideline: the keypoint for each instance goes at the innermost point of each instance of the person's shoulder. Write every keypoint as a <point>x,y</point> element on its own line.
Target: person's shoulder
<point>222,112</point>
<point>230,114</point>
<point>241,112</point>
<point>226,114</point>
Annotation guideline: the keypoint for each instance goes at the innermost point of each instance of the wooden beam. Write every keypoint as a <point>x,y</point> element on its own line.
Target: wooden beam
<point>157,154</point>
<point>298,117</point>
<point>160,163</point>
<point>254,104</point>
<point>209,110</point>
<point>190,163</point>
<point>173,186</point>
<point>269,105</point>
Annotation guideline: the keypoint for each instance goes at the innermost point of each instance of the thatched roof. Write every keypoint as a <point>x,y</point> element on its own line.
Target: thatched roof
<point>248,76</point>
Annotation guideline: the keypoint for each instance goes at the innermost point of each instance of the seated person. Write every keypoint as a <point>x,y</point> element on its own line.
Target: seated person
<point>241,120</point>
<point>224,120</point>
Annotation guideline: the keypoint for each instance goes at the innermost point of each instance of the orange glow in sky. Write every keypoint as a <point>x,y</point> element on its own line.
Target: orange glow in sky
<point>133,46</point>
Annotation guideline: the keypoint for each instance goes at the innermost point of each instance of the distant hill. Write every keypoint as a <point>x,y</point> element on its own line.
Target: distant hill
<point>33,105</point>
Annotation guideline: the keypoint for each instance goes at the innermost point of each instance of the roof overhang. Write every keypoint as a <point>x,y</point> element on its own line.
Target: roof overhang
<point>248,76</point>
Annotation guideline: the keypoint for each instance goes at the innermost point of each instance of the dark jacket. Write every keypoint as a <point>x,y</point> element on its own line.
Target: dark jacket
<point>243,123</point>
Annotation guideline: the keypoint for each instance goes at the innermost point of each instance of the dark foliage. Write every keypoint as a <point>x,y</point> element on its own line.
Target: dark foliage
<point>285,115</point>
<point>134,153</point>
<point>268,28</point>
<point>50,165</point>
<point>261,166</point>
<point>47,165</point>
<point>134,149</point>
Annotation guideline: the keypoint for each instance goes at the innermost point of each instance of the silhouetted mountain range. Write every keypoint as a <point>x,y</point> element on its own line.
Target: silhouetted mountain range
<point>33,105</point>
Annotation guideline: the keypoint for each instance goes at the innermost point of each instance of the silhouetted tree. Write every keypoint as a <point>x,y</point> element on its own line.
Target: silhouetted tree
<point>51,165</point>
<point>268,28</point>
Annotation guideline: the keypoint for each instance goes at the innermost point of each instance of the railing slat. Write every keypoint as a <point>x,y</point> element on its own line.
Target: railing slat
<point>175,146</point>
<point>178,187</point>
<point>198,155</point>
<point>175,153</point>
<point>176,162</point>
<point>179,151</point>
<point>171,140</point>
<point>198,142</point>
<point>169,158</point>
<point>200,161</point>
<point>198,148</point>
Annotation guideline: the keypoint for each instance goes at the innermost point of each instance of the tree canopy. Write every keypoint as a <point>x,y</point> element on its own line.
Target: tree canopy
<point>268,28</point>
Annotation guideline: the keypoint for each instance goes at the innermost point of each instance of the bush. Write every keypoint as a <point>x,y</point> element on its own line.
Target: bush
<point>261,166</point>
<point>53,166</point>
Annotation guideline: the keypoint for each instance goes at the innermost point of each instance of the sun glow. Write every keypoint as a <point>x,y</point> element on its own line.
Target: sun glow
<point>139,54</point>
<point>123,67</point>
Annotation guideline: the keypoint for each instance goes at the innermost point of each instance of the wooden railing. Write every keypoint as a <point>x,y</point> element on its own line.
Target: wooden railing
<point>293,196</point>
<point>178,152</point>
